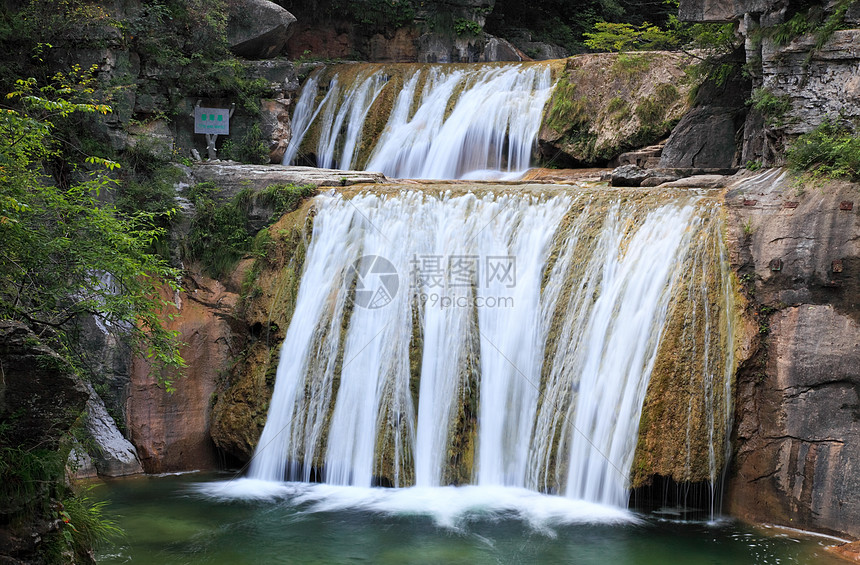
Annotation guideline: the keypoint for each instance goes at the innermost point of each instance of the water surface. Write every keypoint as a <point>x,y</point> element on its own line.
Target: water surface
<point>196,519</point>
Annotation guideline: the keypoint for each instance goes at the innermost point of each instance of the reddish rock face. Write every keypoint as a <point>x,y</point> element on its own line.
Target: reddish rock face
<point>171,430</point>
<point>327,43</point>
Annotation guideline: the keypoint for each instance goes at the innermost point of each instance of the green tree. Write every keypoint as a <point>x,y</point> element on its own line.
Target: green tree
<point>64,253</point>
<point>609,36</point>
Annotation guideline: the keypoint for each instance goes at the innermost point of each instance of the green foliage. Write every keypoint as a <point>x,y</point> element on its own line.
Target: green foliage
<point>220,233</point>
<point>715,39</point>
<point>835,21</point>
<point>567,110</point>
<point>467,27</point>
<point>377,13</point>
<point>810,18</point>
<point>630,65</point>
<point>650,111</point>
<point>563,23</point>
<point>63,253</point>
<point>772,107</point>
<point>31,481</point>
<point>250,148</point>
<point>26,478</point>
<point>85,525</point>
<point>609,36</point>
<point>616,105</point>
<point>666,93</point>
<point>187,42</point>
<point>64,22</point>
<point>797,25</point>
<point>831,150</point>
<point>285,198</point>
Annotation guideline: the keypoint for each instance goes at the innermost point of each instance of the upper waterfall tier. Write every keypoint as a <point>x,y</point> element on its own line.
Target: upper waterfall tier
<point>503,340</point>
<point>422,121</point>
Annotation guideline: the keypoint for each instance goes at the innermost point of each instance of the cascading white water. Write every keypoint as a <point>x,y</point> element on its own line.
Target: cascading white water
<point>475,122</point>
<point>556,302</point>
<point>617,347</point>
<point>512,338</point>
<point>302,117</point>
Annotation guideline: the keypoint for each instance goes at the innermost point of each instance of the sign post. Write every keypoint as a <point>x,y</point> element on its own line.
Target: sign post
<point>212,122</point>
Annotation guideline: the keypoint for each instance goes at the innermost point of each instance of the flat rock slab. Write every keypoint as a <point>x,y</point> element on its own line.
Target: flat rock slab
<point>699,181</point>
<point>232,177</point>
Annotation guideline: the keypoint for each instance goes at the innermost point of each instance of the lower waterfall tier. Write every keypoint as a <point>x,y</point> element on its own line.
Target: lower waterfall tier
<point>574,342</point>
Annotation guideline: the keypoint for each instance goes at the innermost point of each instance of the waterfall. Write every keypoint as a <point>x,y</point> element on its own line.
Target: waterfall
<point>496,339</point>
<point>434,121</point>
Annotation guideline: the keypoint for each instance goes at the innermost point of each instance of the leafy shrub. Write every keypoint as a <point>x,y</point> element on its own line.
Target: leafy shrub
<point>831,150</point>
<point>772,107</point>
<point>85,525</point>
<point>250,148</point>
<point>220,233</point>
<point>467,27</point>
<point>59,242</point>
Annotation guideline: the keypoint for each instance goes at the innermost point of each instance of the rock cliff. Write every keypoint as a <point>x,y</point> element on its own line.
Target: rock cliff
<point>41,399</point>
<point>808,77</point>
<point>797,430</point>
<point>171,429</point>
<point>607,103</point>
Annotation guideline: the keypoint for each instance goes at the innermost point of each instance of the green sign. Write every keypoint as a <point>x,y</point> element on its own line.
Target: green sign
<point>211,120</point>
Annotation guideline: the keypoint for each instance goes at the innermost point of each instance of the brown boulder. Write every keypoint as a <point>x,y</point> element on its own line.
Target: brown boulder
<point>258,29</point>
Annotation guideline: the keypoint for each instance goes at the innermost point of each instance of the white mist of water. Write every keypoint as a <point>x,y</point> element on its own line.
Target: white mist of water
<point>449,507</point>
